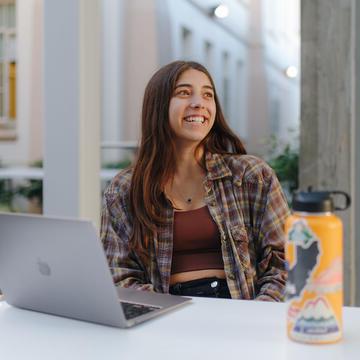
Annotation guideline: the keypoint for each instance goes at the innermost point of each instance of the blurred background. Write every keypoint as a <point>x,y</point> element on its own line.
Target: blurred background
<point>73,73</point>
<point>250,47</point>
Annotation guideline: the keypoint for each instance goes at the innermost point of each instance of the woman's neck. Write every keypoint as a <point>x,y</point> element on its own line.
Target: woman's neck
<point>185,190</point>
<point>188,163</point>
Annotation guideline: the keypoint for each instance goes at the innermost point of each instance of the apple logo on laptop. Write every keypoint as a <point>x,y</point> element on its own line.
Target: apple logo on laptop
<point>43,267</point>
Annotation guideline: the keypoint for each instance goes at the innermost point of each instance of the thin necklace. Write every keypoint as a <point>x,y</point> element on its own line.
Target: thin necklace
<point>187,200</point>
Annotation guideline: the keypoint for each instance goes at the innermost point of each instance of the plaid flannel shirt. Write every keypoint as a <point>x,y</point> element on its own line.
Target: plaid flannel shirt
<point>246,202</point>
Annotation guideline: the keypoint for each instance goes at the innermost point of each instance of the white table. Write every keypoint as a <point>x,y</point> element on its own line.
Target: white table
<point>205,329</point>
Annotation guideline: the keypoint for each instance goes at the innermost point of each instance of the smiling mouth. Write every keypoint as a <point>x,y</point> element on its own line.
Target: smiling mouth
<point>195,119</point>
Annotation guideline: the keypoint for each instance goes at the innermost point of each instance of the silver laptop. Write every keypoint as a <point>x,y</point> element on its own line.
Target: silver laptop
<point>58,266</point>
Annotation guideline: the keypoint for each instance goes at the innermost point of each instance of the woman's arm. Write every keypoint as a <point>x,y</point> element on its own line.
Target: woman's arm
<point>116,228</point>
<point>272,274</point>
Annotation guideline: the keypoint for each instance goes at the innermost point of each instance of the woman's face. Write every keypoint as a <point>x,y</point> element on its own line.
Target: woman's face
<point>192,107</point>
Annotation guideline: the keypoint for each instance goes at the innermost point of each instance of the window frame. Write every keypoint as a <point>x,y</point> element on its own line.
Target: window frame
<point>7,57</point>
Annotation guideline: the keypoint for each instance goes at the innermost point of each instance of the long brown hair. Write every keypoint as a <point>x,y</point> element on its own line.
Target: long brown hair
<point>155,164</point>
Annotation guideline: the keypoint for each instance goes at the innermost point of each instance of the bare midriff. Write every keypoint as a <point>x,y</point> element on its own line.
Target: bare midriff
<point>196,274</point>
<point>197,248</point>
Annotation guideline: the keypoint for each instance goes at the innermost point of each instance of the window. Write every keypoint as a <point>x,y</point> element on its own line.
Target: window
<point>186,41</point>
<point>7,71</point>
<point>208,52</point>
<point>226,84</point>
<point>275,116</point>
<point>240,119</point>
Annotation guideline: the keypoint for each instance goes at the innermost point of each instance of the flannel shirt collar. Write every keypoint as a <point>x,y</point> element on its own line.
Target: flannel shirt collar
<point>216,166</point>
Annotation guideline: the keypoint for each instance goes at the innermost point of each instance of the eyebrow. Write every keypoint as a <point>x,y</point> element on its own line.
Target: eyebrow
<point>189,85</point>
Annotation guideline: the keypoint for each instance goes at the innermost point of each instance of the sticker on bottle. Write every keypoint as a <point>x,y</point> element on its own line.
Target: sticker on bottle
<point>311,280</point>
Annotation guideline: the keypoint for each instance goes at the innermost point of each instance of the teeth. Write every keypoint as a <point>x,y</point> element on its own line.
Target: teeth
<point>197,119</point>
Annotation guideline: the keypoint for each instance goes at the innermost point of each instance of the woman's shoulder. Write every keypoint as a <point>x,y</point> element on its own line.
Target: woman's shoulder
<point>249,168</point>
<point>120,184</point>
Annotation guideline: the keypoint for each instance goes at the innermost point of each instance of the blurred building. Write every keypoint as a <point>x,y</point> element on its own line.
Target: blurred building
<point>253,55</point>
<point>21,106</point>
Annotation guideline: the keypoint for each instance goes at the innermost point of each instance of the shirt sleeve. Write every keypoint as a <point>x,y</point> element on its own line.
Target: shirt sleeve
<point>125,266</point>
<point>272,274</point>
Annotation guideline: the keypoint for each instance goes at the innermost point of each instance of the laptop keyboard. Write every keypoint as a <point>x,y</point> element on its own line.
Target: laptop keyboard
<point>132,310</point>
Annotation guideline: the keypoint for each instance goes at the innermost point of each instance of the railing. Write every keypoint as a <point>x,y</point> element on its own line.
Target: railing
<point>32,173</point>
<point>35,173</point>
<point>127,145</point>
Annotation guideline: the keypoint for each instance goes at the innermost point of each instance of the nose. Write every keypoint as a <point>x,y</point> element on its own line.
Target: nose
<point>196,105</point>
<point>196,101</point>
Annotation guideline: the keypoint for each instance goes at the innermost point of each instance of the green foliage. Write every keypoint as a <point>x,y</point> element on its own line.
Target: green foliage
<point>286,167</point>
<point>283,157</point>
<point>33,190</point>
<point>118,165</point>
<point>6,194</point>
<point>37,164</point>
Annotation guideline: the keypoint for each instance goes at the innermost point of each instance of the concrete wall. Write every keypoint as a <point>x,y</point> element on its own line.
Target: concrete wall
<point>329,95</point>
<point>356,150</point>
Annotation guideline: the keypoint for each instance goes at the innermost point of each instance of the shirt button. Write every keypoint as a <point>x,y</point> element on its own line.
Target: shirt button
<point>213,203</point>
<point>231,277</point>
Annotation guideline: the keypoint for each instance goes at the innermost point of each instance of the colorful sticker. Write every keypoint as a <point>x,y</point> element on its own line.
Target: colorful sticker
<point>316,320</point>
<point>304,247</point>
<point>311,287</point>
<point>329,280</point>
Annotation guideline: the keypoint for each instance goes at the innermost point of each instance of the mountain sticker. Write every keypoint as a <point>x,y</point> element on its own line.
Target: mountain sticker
<point>317,319</point>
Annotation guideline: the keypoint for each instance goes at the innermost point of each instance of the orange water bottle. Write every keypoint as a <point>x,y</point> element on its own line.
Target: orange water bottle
<point>314,254</point>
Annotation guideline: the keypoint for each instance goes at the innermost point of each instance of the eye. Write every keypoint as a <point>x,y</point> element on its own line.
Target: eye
<point>209,94</point>
<point>183,92</point>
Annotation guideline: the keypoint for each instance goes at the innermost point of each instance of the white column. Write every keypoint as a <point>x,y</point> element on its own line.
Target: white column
<point>141,60</point>
<point>113,12</point>
<point>72,53</point>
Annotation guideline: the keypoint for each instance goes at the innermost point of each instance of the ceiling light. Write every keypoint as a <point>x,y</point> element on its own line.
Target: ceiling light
<point>221,11</point>
<point>291,72</point>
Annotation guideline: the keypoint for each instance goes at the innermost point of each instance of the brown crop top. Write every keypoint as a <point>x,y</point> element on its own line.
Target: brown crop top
<point>196,242</point>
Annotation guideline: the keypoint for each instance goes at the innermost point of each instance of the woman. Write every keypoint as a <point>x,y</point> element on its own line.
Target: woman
<point>195,215</point>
